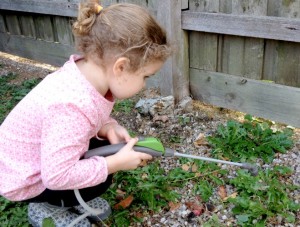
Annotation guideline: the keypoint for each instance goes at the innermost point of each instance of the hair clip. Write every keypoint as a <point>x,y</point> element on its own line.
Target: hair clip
<point>98,8</point>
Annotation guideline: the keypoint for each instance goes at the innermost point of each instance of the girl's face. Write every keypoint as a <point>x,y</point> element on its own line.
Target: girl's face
<point>127,84</point>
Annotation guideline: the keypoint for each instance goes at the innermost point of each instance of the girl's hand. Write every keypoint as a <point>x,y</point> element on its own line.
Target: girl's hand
<point>115,133</point>
<point>126,158</point>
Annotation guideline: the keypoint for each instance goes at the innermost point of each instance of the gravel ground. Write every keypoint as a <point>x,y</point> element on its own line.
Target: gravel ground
<point>203,121</point>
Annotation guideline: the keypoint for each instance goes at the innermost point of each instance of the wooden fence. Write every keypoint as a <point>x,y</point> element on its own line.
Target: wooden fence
<point>236,54</point>
<point>245,55</point>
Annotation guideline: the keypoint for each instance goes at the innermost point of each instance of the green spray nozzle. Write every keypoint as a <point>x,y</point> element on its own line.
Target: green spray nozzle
<point>155,148</point>
<point>151,143</point>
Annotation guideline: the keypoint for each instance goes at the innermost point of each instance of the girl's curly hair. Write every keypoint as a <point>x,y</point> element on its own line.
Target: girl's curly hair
<point>120,30</point>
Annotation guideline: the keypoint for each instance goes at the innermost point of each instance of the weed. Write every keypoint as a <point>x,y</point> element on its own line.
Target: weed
<point>121,218</point>
<point>48,222</point>
<point>213,221</point>
<point>249,140</point>
<point>124,106</point>
<point>175,139</point>
<point>148,185</point>
<point>13,214</point>
<point>183,120</point>
<point>153,188</point>
<point>263,197</point>
<point>209,177</point>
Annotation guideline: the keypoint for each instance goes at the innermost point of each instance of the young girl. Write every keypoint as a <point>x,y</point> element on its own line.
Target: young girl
<point>43,139</point>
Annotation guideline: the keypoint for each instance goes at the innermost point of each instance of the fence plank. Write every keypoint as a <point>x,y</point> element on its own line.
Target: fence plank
<point>2,24</point>
<point>39,50</point>
<point>243,56</point>
<point>282,64</point>
<point>289,9</point>
<point>204,46</point>
<point>62,8</point>
<point>27,25</point>
<point>174,74</point>
<point>242,25</point>
<point>63,30</point>
<point>282,59</point>
<point>12,24</point>
<point>143,3</point>
<point>272,101</point>
<point>44,28</point>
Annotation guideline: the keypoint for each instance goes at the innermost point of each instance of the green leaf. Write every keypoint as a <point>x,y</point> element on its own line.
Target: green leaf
<point>290,218</point>
<point>48,222</point>
<point>248,117</point>
<point>205,189</point>
<point>242,218</point>
<point>120,218</point>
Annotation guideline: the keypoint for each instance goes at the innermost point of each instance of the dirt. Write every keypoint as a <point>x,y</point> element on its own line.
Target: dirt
<point>203,120</point>
<point>24,68</point>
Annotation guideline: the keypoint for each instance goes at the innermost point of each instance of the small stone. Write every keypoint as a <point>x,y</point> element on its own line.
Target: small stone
<point>224,217</point>
<point>162,220</point>
<point>186,104</point>
<point>157,106</point>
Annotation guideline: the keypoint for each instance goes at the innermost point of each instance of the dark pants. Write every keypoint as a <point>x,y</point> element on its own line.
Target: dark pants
<point>67,197</point>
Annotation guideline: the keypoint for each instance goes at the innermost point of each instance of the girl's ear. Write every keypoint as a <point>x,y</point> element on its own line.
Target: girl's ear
<point>121,65</point>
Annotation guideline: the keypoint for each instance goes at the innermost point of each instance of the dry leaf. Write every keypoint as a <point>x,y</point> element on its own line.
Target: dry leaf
<point>198,212</point>
<point>222,192</point>
<point>189,205</point>
<point>198,175</point>
<point>120,194</point>
<point>174,206</point>
<point>124,203</point>
<point>194,168</point>
<point>200,140</point>
<point>185,167</point>
<point>194,206</point>
<point>143,163</point>
<point>233,195</point>
<point>163,118</point>
<point>139,214</point>
<point>144,176</point>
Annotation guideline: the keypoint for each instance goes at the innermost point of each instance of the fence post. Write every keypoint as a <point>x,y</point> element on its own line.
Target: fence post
<point>175,72</point>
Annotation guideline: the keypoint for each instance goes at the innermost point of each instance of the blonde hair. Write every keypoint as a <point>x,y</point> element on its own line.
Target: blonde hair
<point>120,30</point>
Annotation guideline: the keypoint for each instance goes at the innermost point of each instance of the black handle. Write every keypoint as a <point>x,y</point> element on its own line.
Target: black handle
<point>114,148</point>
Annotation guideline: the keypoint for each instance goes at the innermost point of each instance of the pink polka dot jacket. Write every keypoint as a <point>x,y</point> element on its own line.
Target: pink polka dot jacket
<point>46,134</point>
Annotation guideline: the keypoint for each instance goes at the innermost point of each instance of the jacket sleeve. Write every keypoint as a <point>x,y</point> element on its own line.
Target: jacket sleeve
<point>65,138</point>
<point>110,120</point>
